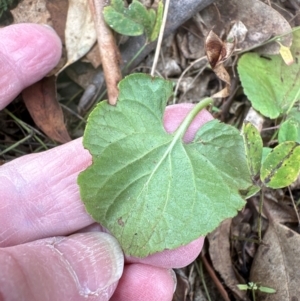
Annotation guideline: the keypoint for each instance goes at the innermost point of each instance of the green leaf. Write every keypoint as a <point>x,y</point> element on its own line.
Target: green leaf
<point>152,191</point>
<point>282,165</point>
<point>131,21</point>
<point>289,131</point>
<point>120,22</point>
<point>138,13</point>
<point>242,287</point>
<point>265,153</point>
<point>253,146</point>
<point>271,85</point>
<point>158,22</point>
<point>267,290</point>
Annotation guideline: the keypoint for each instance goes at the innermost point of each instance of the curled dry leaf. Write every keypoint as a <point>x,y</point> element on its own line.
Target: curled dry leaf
<point>40,100</point>
<point>80,34</point>
<point>219,251</point>
<point>217,53</point>
<point>261,21</point>
<point>276,264</point>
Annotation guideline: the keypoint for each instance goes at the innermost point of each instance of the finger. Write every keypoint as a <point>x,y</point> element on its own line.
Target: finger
<point>177,258</point>
<point>145,283</point>
<point>175,114</point>
<point>39,195</point>
<point>62,268</point>
<point>27,53</point>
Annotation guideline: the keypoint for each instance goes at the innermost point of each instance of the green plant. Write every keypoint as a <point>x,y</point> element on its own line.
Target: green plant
<point>134,20</point>
<point>151,190</point>
<point>254,287</point>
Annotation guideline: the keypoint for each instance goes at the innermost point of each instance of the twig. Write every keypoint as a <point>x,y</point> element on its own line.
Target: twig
<point>294,205</point>
<point>109,52</point>
<point>160,37</point>
<point>183,74</point>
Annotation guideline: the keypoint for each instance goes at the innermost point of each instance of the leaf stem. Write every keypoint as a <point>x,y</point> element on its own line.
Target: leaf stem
<point>191,116</point>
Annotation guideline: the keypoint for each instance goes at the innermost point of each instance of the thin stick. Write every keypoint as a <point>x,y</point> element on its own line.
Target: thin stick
<point>160,37</point>
<point>183,74</point>
<point>261,201</point>
<point>295,208</point>
<point>109,52</point>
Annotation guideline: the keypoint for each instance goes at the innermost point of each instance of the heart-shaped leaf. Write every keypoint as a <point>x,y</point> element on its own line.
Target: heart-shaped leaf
<point>152,191</point>
<point>271,85</point>
<point>134,20</point>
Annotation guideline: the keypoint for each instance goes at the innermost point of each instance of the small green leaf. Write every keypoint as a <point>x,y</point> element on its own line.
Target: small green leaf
<point>282,166</point>
<point>121,23</point>
<point>271,85</point>
<point>243,287</point>
<point>289,131</point>
<point>267,290</point>
<point>152,191</point>
<point>132,21</point>
<point>118,5</point>
<point>138,13</point>
<point>158,22</point>
<point>253,146</point>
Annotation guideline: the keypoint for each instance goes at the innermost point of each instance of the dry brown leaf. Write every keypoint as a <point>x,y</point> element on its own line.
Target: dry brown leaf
<point>276,264</point>
<point>29,11</point>
<point>217,53</point>
<point>223,75</point>
<point>261,21</point>
<point>93,57</point>
<point>277,211</point>
<point>58,10</point>
<point>80,34</point>
<point>219,251</point>
<point>40,100</point>
<point>109,52</point>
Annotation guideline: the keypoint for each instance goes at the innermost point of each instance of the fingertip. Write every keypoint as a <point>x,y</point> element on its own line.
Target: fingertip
<point>62,268</point>
<point>27,53</point>
<point>177,258</point>
<point>144,282</point>
<point>175,114</point>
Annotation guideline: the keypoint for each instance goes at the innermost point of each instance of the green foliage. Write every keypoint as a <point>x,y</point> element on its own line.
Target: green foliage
<point>278,167</point>
<point>152,191</point>
<point>254,287</point>
<point>134,20</point>
<point>253,146</point>
<point>281,166</point>
<point>271,85</point>
<point>289,131</point>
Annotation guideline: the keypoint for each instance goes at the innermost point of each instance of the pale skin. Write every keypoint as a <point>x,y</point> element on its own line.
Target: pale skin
<point>51,248</point>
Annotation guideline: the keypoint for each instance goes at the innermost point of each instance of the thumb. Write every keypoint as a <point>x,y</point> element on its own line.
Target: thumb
<point>27,53</point>
<point>62,268</point>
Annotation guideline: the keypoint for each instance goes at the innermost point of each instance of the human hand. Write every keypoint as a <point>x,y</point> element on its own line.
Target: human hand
<point>51,249</point>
